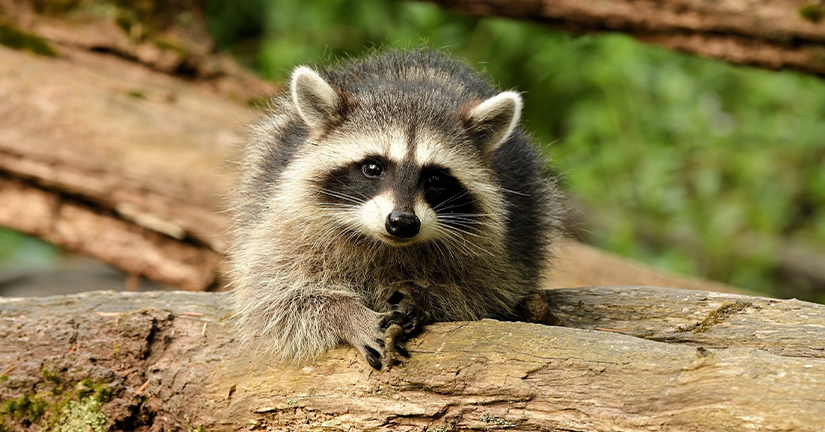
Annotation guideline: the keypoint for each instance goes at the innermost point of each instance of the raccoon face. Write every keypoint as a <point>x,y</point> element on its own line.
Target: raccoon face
<point>401,185</point>
<point>398,202</point>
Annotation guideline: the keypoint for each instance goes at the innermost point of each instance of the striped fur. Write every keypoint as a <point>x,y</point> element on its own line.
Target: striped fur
<point>312,261</point>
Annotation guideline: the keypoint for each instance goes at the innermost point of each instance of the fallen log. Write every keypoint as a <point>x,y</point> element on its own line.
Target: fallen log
<point>783,34</point>
<point>626,358</point>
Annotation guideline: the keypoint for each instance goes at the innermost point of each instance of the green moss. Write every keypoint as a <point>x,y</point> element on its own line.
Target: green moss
<point>61,407</point>
<point>51,376</point>
<point>99,391</point>
<point>86,415</point>
<point>4,378</point>
<point>28,406</point>
<point>486,417</point>
<point>15,38</point>
<point>812,13</point>
<point>189,428</point>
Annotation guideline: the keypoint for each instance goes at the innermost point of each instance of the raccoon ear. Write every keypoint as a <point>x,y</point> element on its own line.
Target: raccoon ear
<point>491,122</point>
<point>318,103</point>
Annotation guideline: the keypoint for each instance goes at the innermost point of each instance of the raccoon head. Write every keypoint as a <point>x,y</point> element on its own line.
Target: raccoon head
<point>400,165</point>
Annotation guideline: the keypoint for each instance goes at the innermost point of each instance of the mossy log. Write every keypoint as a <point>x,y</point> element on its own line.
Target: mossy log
<point>626,358</point>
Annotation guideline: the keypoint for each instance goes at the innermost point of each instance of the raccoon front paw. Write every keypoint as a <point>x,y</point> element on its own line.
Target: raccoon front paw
<point>372,346</point>
<point>405,313</point>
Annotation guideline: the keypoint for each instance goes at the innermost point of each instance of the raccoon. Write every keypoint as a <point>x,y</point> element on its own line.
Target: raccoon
<point>397,188</point>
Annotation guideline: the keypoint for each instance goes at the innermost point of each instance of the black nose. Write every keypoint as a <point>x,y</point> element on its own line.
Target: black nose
<point>403,224</point>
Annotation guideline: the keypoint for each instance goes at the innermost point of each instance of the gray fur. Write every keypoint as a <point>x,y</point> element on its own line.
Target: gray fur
<point>306,278</point>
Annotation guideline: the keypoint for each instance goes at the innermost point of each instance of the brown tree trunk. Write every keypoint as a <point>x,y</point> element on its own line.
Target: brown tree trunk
<point>630,358</point>
<point>779,34</point>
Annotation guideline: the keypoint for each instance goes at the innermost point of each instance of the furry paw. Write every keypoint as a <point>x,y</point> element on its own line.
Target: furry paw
<point>372,346</point>
<point>405,313</point>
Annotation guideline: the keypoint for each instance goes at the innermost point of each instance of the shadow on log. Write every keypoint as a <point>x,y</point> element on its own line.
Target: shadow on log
<point>627,358</point>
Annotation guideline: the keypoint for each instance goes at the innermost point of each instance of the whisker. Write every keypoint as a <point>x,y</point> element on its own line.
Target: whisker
<point>452,233</point>
<point>515,192</point>
<point>465,214</point>
<point>443,209</point>
<point>464,220</point>
<point>457,241</point>
<point>451,199</point>
<point>351,188</point>
<point>458,225</point>
<point>438,249</point>
<point>455,228</point>
<point>342,196</point>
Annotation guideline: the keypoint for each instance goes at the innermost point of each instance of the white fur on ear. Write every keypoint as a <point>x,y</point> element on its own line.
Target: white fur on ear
<point>492,121</point>
<point>318,103</point>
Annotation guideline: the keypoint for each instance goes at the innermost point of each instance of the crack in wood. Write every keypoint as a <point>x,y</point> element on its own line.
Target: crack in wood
<point>716,316</point>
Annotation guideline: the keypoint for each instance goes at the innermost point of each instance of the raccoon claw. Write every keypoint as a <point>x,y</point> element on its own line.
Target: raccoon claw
<point>401,349</point>
<point>373,357</point>
<point>418,318</point>
<point>376,352</point>
<point>405,313</point>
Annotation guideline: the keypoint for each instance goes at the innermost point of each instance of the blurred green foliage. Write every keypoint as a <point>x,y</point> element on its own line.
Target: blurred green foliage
<point>689,164</point>
<point>23,252</point>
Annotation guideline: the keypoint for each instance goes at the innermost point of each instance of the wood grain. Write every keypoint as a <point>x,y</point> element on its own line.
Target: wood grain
<point>628,358</point>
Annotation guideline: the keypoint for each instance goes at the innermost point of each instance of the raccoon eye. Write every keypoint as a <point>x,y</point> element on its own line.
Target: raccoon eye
<point>372,169</point>
<point>435,180</point>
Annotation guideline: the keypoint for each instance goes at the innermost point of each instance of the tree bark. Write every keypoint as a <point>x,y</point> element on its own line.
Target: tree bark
<point>780,34</point>
<point>627,358</point>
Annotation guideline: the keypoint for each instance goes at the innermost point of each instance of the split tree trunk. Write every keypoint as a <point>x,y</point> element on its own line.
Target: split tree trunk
<point>628,358</point>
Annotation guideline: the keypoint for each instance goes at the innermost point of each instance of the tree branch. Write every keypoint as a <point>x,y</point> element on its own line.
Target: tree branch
<point>782,34</point>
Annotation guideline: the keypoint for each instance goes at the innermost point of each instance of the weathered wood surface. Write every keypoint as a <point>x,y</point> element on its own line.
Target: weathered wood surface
<point>628,358</point>
<point>779,34</point>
